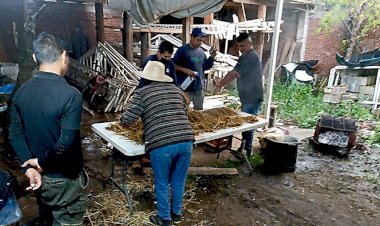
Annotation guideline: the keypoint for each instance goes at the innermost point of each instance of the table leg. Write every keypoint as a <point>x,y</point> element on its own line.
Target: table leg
<point>121,186</point>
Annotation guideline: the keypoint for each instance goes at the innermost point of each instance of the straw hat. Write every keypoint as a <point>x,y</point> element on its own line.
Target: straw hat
<point>155,71</point>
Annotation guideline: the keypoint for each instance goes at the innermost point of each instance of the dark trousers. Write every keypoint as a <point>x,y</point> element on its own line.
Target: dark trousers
<point>61,200</point>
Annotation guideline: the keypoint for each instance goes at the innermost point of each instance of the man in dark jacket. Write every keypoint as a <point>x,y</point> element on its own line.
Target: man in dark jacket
<point>44,132</point>
<point>163,55</point>
<point>248,72</point>
<point>168,138</point>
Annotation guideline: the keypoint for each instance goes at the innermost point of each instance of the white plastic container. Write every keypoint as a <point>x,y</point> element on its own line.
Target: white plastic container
<point>188,81</point>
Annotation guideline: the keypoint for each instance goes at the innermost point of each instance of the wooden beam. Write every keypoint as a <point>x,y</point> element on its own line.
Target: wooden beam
<point>289,4</point>
<point>77,1</point>
<point>259,42</point>
<point>186,22</point>
<point>145,46</point>
<point>158,30</point>
<point>99,22</point>
<point>240,13</point>
<point>127,34</point>
<point>198,171</point>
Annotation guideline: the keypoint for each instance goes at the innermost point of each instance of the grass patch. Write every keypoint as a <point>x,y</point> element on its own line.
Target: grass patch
<point>227,164</point>
<point>372,179</point>
<point>256,160</point>
<point>300,105</point>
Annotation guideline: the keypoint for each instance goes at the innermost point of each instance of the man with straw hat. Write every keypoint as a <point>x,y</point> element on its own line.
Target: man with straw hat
<point>168,137</point>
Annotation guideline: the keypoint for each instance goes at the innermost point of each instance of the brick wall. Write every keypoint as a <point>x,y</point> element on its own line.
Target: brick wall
<point>60,19</point>
<point>371,42</point>
<point>71,14</point>
<point>322,46</point>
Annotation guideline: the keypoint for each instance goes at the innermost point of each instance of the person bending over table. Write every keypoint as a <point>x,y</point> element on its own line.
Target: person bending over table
<point>168,137</point>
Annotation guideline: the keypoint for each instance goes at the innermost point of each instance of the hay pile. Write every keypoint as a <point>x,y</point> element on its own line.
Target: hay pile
<point>133,132</point>
<point>201,122</point>
<point>216,119</point>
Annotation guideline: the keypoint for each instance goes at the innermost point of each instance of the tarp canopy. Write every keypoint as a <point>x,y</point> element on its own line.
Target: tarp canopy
<point>145,12</point>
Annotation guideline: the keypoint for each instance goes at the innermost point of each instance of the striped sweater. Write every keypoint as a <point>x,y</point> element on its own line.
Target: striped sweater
<point>162,109</point>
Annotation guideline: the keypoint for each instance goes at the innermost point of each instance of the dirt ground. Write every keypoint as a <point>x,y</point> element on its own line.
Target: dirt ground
<point>324,190</point>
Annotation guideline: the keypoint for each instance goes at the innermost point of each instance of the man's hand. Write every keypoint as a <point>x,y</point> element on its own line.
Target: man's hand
<point>213,52</point>
<point>191,73</point>
<point>34,177</point>
<point>33,163</point>
<point>217,89</point>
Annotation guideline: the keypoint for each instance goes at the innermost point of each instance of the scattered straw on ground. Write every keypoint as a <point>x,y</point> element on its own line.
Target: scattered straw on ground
<point>111,207</point>
<point>201,122</point>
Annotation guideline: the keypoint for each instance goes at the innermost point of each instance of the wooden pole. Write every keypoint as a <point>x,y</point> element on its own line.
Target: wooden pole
<point>145,46</point>
<point>240,13</point>
<point>272,68</point>
<point>260,36</point>
<point>127,37</point>
<point>99,22</point>
<point>273,116</point>
<point>208,20</point>
<point>186,22</point>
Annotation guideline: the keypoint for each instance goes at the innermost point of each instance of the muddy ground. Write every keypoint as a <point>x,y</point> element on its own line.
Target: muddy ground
<point>324,190</point>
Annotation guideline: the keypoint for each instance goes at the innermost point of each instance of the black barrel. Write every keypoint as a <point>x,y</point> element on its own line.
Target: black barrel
<point>279,157</point>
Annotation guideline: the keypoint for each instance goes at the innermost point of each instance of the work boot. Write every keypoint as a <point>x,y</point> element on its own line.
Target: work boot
<point>176,218</point>
<point>159,221</point>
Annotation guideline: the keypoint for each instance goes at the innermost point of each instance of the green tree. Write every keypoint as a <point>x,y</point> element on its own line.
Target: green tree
<point>360,16</point>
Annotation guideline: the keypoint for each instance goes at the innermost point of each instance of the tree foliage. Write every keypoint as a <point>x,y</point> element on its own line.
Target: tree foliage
<point>360,16</point>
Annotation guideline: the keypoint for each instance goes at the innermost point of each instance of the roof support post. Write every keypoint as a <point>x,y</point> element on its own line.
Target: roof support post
<point>127,34</point>
<point>145,46</point>
<point>186,22</point>
<point>99,22</point>
<point>259,42</point>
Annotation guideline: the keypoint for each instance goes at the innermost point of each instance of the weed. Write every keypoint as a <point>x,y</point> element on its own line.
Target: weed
<point>372,178</point>
<point>227,164</point>
<point>256,160</point>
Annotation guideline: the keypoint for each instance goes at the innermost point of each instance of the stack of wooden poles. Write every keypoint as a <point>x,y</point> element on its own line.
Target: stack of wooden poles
<point>121,75</point>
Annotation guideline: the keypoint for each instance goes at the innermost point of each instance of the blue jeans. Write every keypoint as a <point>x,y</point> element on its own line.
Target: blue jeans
<point>170,164</point>
<point>248,135</point>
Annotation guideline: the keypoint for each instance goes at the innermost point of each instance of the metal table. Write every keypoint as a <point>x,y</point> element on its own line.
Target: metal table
<point>130,148</point>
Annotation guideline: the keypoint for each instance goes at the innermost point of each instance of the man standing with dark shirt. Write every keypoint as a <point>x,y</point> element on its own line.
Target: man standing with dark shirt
<point>44,132</point>
<point>248,72</point>
<point>190,60</point>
